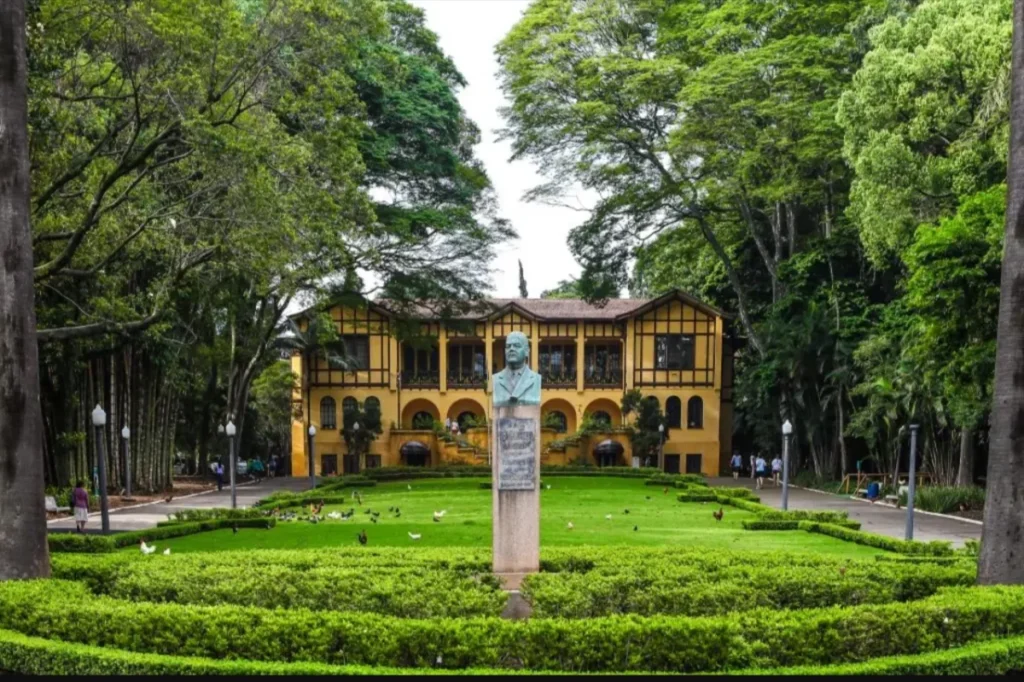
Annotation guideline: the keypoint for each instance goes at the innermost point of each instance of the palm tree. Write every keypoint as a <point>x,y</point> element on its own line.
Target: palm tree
<point>1002,541</point>
<point>23,548</point>
<point>320,339</point>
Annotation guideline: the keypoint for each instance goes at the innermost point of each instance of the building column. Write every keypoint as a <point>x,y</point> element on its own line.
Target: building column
<point>488,356</point>
<point>581,345</point>
<point>442,358</point>
<point>535,348</point>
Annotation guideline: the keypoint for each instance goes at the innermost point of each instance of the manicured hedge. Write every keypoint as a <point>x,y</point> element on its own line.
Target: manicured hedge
<point>934,548</point>
<point>193,515</point>
<point>766,512</point>
<point>994,657</point>
<point>782,524</point>
<point>407,592</point>
<point>764,637</point>
<point>743,493</point>
<point>687,590</point>
<point>304,500</point>
<point>35,656</point>
<point>693,495</point>
<point>678,480</point>
<point>73,542</point>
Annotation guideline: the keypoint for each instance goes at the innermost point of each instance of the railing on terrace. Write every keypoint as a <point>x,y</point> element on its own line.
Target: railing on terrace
<point>558,379</point>
<point>412,379</point>
<point>611,378</point>
<point>472,380</point>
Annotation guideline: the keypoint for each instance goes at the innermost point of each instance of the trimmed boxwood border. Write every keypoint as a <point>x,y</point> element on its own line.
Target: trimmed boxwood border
<point>96,544</point>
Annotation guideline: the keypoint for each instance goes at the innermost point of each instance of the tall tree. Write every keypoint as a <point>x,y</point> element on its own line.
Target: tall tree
<point>1002,541</point>
<point>522,283</point>
<point>23,548</point>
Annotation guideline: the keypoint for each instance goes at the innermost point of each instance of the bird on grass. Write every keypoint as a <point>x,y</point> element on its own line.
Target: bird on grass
<point>398,514</point>
<point>635,529</point>
<point>373,519</point>
<point>608,516</point>
<point>441,513</point>
<point>648,497</point>
<point>167,552</point>
<point>547,487</point>
<point>391,509</point>
<point>375,514</point>
<point>367,511</point>
<point>146,549</point>
<point>437,519</point>
<point>718,514</point>
<point>626,511</point>
<point>334,516</point>
<point>408,487</point>
<point>665,490</point>
<point>415,536</point>
<point>362,537</point>
<point>168,499</point>
<point>571,526</point>
<point>234,529</point>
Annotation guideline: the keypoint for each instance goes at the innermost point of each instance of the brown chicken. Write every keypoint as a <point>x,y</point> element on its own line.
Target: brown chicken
<point>168,498</point>
<point>665,491</point>
<point>718,514</point>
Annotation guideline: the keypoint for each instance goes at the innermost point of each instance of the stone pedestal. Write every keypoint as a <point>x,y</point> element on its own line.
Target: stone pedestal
<point>515,489</point>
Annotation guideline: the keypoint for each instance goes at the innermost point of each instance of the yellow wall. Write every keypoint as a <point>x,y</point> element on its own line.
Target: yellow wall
<point>398,404</point>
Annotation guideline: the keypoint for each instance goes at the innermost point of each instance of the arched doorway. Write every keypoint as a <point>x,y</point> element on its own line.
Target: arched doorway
<point>414,453</point>
<point>609,453</point>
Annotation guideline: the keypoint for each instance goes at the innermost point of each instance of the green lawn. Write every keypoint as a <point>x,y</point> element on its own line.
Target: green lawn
<point>660,520</point>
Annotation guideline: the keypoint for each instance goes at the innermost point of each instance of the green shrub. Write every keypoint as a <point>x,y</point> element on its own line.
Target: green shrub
<point>63,542</point>
<point>396,473</point>
<point>946,499</point>
<point>303,500</point>
<point>744,493</point>
<point>697,496</point>
<point>688,590</point>
<point>770,524</point>
<point>935,548</point>
<point>763,637</point>
<point>997,657</point>
<point>677,480</point>
<point>193,515</point>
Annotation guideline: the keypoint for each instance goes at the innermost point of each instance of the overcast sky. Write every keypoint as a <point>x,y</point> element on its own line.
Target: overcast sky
<point>468,31</point>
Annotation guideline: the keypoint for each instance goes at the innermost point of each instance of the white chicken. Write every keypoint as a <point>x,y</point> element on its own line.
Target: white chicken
<point>146,549</point>
<point>334,515</point>
<point>440,514</point>
<point>167,552</point>
<point>571,526</point>
<point>408,487</point>
<point>548,486</point>
<point>608,516</point>
<point>415,536</point>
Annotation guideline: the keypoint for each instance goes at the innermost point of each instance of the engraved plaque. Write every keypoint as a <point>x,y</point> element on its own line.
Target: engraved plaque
<point>517,453</point>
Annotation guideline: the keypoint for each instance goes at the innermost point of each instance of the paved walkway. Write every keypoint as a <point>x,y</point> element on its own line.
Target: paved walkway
<point>874,518</point>
<point>148,515</point>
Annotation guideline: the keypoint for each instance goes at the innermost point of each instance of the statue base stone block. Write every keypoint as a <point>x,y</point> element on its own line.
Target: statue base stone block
<point>515,490</point>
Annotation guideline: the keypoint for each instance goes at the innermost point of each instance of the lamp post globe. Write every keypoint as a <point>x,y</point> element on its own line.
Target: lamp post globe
<point>230,431</point>
<point>787,433</point>
<point>220,429</point>
<point>312,430</point>
<point>99,420</point>
<point>312,462</point>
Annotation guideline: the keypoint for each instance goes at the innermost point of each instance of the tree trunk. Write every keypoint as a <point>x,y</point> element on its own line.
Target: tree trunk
<point>23,547</point>
<point>1002,542</point>
<point>965,472</point>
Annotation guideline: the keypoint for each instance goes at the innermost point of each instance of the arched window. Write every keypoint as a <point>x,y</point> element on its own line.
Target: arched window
<point>372,403</point>
<point>695,413</point>
<point>556,420</point>
<point>423,420</point>
<point>674,412</point>
<point>349,404</point>
<point>602,416</point>
<point>328,413</point>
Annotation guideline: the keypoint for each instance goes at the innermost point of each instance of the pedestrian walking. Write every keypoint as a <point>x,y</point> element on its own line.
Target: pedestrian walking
<point>80,502</point>
<point>761,467</point>
<point>219,472</point>
<point>776,470</point>
<point>737,465</point>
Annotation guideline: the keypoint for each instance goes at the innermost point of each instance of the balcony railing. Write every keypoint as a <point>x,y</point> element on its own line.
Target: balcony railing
<point>412,379</point>
<point>609,378</point>
<point>472,380</point>
<point>553,379</point>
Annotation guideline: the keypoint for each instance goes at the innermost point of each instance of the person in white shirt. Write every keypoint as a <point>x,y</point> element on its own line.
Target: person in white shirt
<point>761,466</point>
<point>776,469</point>
<point>737,465</point>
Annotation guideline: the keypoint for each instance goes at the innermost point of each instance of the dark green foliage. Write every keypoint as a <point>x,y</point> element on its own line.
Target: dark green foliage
<point>72,542</point>
<point>936,548</point>
<point>764,637</point>
<point>946,499</point>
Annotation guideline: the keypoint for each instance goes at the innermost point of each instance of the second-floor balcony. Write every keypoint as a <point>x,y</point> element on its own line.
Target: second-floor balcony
<point>420,379</point>
<point>467,380</point>
<point>602,378</point>
<point>558,379</point>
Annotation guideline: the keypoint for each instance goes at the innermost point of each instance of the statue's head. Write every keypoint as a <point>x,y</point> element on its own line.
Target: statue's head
<point>517,350</point>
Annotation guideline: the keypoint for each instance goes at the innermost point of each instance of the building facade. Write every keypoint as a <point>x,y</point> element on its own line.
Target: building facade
<point>675,349</point>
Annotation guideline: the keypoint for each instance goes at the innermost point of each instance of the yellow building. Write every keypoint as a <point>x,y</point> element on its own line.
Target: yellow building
<point>674,348</point>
